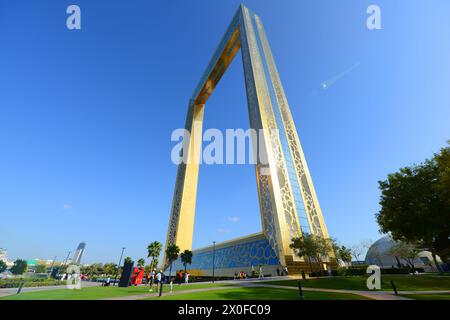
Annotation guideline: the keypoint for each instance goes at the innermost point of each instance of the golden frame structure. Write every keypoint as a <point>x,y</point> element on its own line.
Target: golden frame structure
<point>287,199</point>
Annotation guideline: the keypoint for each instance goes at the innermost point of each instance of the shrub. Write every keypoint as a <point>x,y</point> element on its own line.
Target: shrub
<point>29,282</point>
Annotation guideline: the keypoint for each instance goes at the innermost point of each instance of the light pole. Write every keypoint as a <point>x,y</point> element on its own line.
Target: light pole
<point>214,254</point>
<point>67,258</point>
<point>53,262</point>
<point>118,266</point>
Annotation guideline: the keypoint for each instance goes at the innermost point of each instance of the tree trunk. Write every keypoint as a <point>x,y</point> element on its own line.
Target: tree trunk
<point>310,264</point>
<point>438,267</point>
<point>319,261</point>
<point>399,265</point>
<point>170,270</point>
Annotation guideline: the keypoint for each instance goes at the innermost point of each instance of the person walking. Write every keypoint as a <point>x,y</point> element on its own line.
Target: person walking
<point>152,279</point>
<point>186,278</point>
<point>261,275</point>
<point>157,281</point>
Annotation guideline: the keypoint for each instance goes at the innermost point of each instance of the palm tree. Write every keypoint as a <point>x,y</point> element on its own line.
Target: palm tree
<point>154,250</point>
<point>172,255</point>
<point>154,263</point>
<point>141,262</point>
<point>128,260</point>
<point>186,258</point>
<point>345,255</point>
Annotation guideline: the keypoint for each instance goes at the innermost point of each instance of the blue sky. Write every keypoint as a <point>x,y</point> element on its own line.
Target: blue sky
<point>86,116</point>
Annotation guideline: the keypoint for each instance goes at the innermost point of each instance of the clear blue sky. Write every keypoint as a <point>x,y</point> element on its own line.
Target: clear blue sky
<point>86,116</point>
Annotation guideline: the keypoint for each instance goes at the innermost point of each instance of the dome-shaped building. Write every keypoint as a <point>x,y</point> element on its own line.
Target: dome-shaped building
<point>379,255</point>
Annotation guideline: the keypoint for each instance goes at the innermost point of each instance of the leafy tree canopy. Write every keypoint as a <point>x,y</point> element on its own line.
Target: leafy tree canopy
<point>415,204</point>
<point>20,267</point>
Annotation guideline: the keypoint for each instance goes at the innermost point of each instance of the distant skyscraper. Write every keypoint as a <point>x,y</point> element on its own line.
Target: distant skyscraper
<point>78,253</point>
<point>3,255</point>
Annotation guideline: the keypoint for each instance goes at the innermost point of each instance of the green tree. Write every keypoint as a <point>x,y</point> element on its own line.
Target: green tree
<point>304,247</point>
<point>154,250</point>
<point>141,262</point>
<point>154,263</point>
<point>345,254</point>
<point>109,268</point>
<point>415,205</point>
<point>41,268</point>
<point>147,269</point>
<point>172,255</point>
<point>128,260</point>
<point>312,247</point>
<point>20,267</point>
<point>323,248</point>
<point>95,269</point>
<point>341,252</point>
<point>186,258</point>
<point>3,266</point>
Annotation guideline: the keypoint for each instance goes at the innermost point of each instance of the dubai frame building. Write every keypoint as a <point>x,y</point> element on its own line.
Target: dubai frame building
<point>287,199</point>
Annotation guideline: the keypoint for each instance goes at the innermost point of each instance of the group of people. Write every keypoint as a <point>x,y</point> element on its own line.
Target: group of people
<point>241,275</point>
<point>158,277</point>
<point>182,276</point>
<point>283,272</point>
<point>154,277</point>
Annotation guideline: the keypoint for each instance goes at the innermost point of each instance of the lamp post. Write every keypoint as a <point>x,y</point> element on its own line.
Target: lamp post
<point>67,258</point>
<point>118,266</point>
<point>214,253</point>
<point>53,262</point>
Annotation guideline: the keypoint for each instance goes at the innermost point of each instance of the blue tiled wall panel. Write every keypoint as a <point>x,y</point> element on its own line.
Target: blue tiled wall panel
<point>240,255</point>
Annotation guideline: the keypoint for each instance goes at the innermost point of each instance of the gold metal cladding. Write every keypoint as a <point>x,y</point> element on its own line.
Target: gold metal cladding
<point>279,216</point>
<point>314,213</point>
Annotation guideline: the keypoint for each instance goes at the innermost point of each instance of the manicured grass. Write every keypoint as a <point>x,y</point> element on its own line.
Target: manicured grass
<point>258,293</point>
<point>402,282</point>
<point>93,293</point>
<point>434,296</point>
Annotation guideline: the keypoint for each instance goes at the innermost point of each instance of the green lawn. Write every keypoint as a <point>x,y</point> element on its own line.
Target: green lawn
<point>439,296</point>
<point>258,293</point>
<point>93,293</point>
<point>402,282</point>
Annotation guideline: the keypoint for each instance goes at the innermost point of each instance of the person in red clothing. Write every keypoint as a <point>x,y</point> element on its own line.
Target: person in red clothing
<point>180,277</point>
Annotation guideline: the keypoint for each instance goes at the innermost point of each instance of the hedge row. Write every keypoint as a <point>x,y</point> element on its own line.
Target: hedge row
<point>29,282</point>
<point>360,271</point>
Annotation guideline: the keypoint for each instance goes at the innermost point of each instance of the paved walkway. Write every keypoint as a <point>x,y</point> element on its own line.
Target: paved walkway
<point>375,295</point>
<point>155,294</point>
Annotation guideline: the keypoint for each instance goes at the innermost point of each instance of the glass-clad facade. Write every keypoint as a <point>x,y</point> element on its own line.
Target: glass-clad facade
<point>304,223</point>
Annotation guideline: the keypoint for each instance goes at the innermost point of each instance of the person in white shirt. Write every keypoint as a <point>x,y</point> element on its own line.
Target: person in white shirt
<point>158,281</point>
<point>186,278</point>
<point>261,275</point>
<point>152,279</point>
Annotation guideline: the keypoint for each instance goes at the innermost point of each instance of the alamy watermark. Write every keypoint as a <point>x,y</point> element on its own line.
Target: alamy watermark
<point>374,280</point>
<point>373,22</point>
<point>215,147</point>
<point>73,280</point>
<point>73,21</point>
